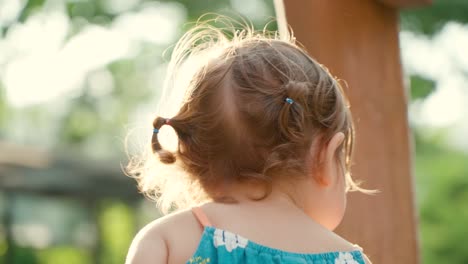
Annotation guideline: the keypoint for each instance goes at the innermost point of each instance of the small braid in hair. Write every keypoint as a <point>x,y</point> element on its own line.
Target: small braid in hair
<point>292,117</point>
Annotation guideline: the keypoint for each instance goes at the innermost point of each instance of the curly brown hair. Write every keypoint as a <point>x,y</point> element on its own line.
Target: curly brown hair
<point>236,123</point>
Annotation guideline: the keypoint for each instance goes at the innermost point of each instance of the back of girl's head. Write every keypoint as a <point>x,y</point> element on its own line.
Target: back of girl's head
<point>252,109</point>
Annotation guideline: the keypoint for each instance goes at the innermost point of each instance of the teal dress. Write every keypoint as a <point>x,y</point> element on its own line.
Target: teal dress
<point>221,246</point>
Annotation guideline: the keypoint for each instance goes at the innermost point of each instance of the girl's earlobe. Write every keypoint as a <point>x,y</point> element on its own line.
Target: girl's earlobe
<point>323,181</point>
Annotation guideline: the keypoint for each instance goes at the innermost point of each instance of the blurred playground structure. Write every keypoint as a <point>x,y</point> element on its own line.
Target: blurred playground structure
<point>77,76</point>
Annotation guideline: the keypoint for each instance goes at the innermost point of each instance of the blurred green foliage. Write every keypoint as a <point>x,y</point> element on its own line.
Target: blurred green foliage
<point>63,254</point>
<point>441,171</point>
<point>23,255</point>
<point>442,194</point>
<point>421,87</point>
<point>430,19</point>
<point>30,7</point>
<point>117,226</point>
<point>3,109</point>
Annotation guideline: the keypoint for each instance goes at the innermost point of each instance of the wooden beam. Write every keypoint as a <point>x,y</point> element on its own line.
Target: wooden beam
<point>23,156</point>
<point>358,41</point>
<point>37,171</point>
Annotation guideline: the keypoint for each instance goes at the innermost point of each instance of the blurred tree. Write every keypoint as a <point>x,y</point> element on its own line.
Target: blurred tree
<point>117,225</point>
<point>442,196</point>
<point>59,255</point>
<point>30,7</point>
<point>420,87</point>
<point>91,117</point>
<point>429,20</point>
<point>3,109</point>
<point>81,121</point>
<point>24,255</point>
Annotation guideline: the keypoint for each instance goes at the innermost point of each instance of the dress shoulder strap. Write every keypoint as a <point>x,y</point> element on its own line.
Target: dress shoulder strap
<point>201,216</point>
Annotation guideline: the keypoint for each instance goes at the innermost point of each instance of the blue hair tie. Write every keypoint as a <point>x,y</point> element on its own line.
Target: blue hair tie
<point>289,100</point>
<point>155,131</point>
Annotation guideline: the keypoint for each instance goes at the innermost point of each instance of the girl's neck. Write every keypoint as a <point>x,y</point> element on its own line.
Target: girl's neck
<point>286,197</point>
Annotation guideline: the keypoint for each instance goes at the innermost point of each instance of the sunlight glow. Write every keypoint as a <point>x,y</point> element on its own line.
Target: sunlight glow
<point>9,11</point>
<point>53,74</point>
<point>38,64</point>
<point>32,235</point>
<point>444,60</point>
<point>446,105</point>
<point>156,23</point>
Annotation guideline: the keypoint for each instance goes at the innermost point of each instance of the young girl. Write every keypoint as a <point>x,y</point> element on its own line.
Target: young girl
<point>265,139</point>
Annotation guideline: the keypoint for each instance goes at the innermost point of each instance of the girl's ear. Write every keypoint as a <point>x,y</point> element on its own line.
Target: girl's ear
<point>333,145</point>
<point>327,168</point>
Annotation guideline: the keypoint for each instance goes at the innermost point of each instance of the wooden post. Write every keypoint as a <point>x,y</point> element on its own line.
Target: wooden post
<point>358,41</point>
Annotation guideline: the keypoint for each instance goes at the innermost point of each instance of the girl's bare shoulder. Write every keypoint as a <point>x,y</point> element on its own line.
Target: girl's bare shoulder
<point>169,239</point>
